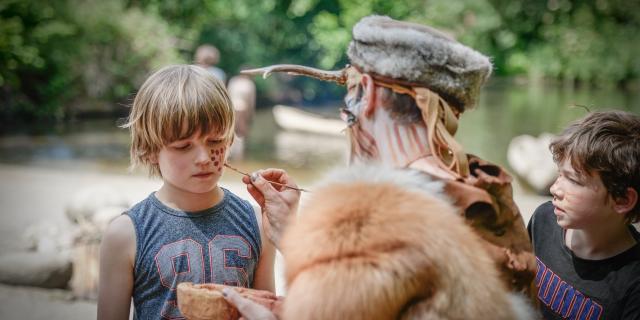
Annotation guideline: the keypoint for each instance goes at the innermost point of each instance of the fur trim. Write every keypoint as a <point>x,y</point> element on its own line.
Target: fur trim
<point>418,53</point>
<point>410,180</point>
<point>522,309</point>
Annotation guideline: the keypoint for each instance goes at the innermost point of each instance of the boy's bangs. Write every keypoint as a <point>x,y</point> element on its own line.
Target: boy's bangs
<point>575,149</point>
<point>186,122</point>
<point>578,160</point>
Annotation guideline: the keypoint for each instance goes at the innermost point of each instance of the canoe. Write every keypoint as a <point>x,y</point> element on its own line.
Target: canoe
<point>295,119</point>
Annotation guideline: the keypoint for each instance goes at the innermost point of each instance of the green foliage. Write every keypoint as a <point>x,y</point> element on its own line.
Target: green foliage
<point>593,41</point>
<point>60,57</point>
<point>26,30</point>
<point>66,56</point>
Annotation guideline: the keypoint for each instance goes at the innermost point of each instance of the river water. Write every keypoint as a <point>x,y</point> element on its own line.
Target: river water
<point>505,110</point>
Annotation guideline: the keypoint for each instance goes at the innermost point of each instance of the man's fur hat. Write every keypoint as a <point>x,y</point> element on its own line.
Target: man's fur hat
<point>420,55</point>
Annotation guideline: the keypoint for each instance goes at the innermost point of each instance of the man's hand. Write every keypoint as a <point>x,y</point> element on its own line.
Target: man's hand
<point>248,309</point>
<point>278,203</point>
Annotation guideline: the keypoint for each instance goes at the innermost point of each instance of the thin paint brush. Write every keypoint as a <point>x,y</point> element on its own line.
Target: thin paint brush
<point>272,182</point>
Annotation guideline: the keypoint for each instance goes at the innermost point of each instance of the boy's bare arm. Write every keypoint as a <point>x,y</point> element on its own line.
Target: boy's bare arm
<point>264,275</point>
<point>117,253</point>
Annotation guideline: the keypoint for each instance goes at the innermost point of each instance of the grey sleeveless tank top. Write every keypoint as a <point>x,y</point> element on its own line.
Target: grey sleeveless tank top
<point>220,245</point>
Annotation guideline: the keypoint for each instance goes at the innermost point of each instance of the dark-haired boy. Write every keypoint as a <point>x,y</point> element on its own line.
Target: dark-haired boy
<point>587,252</point>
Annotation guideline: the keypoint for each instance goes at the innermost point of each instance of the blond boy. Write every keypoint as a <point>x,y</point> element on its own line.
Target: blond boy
<point>190,229</point>
<point>588,256</point>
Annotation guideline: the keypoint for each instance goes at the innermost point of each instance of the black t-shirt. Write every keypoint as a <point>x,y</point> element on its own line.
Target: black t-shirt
<point>573,288</point>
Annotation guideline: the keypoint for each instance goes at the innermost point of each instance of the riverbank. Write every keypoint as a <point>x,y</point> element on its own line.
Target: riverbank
<point>37,195</point>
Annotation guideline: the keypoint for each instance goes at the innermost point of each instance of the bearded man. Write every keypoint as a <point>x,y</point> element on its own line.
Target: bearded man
<point>407,85</point>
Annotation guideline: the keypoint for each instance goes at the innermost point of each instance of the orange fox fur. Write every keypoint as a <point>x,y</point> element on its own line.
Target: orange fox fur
<point>375,250</point>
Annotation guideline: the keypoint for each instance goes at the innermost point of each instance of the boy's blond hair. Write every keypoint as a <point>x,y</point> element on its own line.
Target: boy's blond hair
<point>606,142</point>
<point>174,103</point>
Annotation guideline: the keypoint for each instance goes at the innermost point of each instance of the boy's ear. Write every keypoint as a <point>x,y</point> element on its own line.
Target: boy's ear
<point>627,202</point>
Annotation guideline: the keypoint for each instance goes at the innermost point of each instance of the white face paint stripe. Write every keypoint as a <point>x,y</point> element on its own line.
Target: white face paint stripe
<point>400,142</point>
<point>408,135</point>
<point>384,122</point>
<point>415,138</point>
<point>388,137</point>
<point>377,130</point>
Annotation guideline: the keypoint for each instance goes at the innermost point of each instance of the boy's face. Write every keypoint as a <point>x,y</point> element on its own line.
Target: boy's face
<point>580,201</point>
<point>193,164</point>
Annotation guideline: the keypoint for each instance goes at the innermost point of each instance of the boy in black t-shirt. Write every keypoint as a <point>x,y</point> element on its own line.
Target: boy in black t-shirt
<point>587,252</point>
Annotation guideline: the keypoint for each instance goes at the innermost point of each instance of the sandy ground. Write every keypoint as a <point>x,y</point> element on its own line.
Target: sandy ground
<point>31,196</point>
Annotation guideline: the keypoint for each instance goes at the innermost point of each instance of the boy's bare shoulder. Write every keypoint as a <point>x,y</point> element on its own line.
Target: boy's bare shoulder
<point>120,231</point>
<point>119,243</point>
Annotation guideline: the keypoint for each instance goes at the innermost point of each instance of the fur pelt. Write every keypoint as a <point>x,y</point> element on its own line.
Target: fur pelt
<point>379,243</point>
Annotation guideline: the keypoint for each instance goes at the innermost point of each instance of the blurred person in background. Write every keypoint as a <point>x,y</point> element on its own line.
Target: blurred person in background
<point>242,92</point>
<point>208,57</point>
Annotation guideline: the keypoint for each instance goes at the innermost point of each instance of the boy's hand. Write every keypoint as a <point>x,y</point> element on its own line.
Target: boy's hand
<point>277,202</point>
